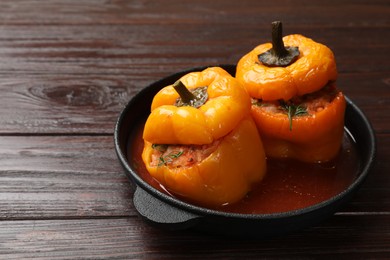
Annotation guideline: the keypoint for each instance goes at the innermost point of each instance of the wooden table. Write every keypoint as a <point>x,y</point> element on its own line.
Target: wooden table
<point>67,69</point>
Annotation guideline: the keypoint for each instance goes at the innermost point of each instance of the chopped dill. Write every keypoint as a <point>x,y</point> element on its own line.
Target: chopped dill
<point>293,111</point>
<point>164,160</point>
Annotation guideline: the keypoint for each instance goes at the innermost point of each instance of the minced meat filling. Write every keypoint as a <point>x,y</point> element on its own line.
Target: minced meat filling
<point>312,103</point>
<point>176,156</point>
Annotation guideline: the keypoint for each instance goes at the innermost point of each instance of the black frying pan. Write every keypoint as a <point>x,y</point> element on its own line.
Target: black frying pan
<point>167,212</point>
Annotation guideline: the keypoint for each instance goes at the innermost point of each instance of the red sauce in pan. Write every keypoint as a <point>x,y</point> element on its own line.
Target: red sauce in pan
<point>288,185</point>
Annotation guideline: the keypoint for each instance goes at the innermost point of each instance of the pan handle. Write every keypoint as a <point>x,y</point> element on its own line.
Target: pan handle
<point>160,213</point>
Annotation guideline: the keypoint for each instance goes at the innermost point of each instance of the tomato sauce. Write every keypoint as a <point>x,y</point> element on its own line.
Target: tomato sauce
<point>288,185</point>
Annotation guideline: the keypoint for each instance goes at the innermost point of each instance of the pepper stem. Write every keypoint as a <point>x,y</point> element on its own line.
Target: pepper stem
<point>194,98</point>
<point>277,40</point>
<point>185,95</point>
<point>279,55</point>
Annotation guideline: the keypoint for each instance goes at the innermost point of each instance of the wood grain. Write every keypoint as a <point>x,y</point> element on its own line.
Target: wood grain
<point>80,177</point>
<point>67,69</point>
<point>75,104</point>
<point>127,49</point>
<point>56,177</point>
<point>74,68</point>
<point>131,238</point>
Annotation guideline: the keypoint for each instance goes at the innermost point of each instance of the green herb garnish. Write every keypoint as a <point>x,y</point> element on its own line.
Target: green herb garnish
<point>164,160</point>
<point>293,110</point>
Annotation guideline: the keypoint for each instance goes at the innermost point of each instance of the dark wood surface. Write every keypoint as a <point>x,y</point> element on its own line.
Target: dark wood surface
<point>69,66</point>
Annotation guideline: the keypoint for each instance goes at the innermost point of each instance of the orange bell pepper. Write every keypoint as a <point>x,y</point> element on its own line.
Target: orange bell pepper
<point>312,136</point>
<point>223,177</point>
<point>227,105</point>
<point>311,70</point>
<point>210,152</point>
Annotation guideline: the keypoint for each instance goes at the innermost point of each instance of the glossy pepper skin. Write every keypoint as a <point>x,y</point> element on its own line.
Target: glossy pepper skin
<point>312,70</point>
<point>224,177</point>
<point>238,161</point>
<point>227,104</point>
<point>313,138</point>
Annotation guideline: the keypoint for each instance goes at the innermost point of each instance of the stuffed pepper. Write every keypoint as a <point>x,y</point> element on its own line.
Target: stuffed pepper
<point>200,141</point>
<point>295,102</point>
